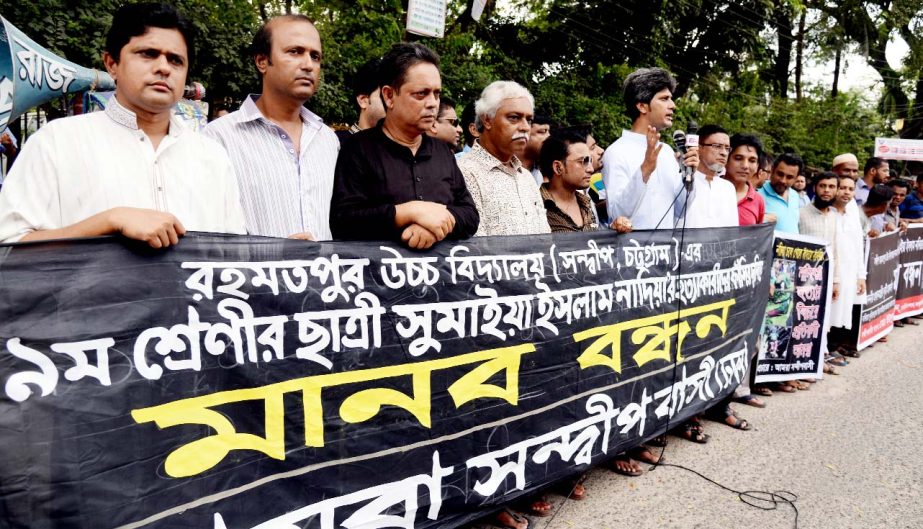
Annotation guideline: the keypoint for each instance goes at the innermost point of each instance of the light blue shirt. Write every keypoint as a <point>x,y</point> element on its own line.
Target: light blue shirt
<point>786,211</point>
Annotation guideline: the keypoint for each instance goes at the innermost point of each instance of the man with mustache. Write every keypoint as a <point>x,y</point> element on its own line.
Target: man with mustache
<point>713,201</point>
<point>393,181</point>
<point>132,170</point>
<point>504,191</point>
<point>642,179</point>
<point>283,154</point>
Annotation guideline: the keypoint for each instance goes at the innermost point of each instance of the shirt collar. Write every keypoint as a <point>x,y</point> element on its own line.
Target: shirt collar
<point>129,120</point>
<point>250,112</point>
<point>770,191</point>
<point>481,155</point>
<point>633,136</point>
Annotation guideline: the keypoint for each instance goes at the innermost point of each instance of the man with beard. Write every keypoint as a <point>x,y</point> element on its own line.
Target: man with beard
<point>876,172</point>
<point>380,192</point>
<point>801,186</point>
<point>642,179</point>
<point>819,219</point>
<point>504,192</point>
<point>713,201</point>
<point>780,200</point>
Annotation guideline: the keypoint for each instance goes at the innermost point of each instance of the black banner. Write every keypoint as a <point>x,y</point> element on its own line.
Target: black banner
<point>884,266</point>
<point>237,382</point>
<point>793,339</point>
<point>909,300</point>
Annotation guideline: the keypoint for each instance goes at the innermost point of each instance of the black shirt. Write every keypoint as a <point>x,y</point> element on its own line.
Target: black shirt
<point>374,173</point>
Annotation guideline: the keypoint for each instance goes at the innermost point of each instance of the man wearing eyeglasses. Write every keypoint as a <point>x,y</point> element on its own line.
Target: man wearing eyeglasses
<point>713,201</point>
<point>446,127</point>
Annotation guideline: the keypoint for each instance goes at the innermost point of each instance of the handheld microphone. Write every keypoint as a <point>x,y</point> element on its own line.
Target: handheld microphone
<point>680,140</point>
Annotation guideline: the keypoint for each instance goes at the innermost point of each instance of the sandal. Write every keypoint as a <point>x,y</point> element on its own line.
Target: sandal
<point>751,400</point>
<point>659,442</point>
<point>830,370</point>
<point>734,421</point>
<point>785,388</point>
<point>762,391</point>
<point>848,351</point>
<point>798,384</point>
<point>908,321</point>
<point>645,455</point>
<point>510,519</point>
<point>899,323</point>
<point>837,361</point>
<point>622,464</point>
<point>883,339</point>
<point>692,431</point>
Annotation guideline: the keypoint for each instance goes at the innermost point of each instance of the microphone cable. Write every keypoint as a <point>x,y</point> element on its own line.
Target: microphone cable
<point>760,499</point>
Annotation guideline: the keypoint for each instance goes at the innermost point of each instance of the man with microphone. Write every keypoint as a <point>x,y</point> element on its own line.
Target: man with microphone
<point>642,179</point>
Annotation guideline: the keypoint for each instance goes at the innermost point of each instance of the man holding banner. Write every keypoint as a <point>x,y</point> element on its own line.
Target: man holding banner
<point>132,169</point>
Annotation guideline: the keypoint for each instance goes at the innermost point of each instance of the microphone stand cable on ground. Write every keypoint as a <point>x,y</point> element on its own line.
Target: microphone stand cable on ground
<point>759,499</point>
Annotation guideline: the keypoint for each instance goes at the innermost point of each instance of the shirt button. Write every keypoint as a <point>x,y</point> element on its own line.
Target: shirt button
<point>141,138</point>
<point>419,197</point>
<point>291,151</point>
<point>283,136</point>
<point>418,179</point>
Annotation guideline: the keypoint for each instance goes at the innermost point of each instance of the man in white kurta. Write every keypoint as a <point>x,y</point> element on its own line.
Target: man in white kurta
<point>713,200</point>
<point>74,168</point>
<point>133,169</point>
<point>850,254</point>
<point>641,175</point>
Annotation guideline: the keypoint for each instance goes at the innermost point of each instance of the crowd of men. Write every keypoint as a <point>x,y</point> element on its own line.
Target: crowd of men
<point>411,170</point>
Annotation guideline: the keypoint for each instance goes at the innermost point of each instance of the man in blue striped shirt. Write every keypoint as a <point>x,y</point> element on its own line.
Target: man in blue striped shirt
<point>283,154</point>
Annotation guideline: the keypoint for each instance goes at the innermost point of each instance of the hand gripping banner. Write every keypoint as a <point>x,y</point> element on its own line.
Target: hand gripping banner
<point>244,382</point>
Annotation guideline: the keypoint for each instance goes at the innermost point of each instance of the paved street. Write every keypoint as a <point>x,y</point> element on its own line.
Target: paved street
<point>849,448</point>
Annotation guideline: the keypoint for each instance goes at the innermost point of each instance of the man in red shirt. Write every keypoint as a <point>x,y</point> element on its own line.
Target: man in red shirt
<point>742,164</point>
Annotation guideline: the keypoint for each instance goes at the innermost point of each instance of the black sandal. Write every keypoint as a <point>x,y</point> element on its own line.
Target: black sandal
<point>694,432</point>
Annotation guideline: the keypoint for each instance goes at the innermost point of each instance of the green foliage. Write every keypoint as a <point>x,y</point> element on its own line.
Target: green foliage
<point>573,55</point>
<point>817,128</point>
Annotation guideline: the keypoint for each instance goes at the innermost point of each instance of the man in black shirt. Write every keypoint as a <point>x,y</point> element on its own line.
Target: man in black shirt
<point>393,181</point>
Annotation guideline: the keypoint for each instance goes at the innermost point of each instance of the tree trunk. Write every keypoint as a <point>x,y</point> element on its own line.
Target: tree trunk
<point>913,124</point>
<point>836,73</point>
<point>783,20</point>
<point>799,56</point>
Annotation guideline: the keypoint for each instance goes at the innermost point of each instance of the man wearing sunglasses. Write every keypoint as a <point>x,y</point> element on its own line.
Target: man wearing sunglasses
<point>713,201</point>
<point>447,127</point>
